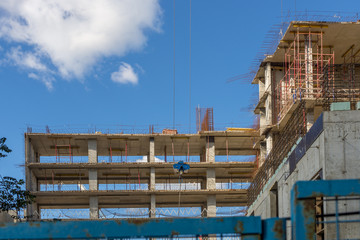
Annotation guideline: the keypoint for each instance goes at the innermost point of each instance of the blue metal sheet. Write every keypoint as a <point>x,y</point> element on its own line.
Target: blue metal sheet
<point>274,229</point>
<point>314,131</point>
<point>132,228</point>
<point>303,196</point>
<point>300,150</point>
<point>329,188</point>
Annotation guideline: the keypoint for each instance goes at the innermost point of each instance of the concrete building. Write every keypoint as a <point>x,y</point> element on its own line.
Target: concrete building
<point>97,181</point>
<point>309,93</point>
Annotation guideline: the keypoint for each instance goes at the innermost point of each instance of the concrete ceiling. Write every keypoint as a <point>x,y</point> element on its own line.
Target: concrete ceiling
<point>239,143</point>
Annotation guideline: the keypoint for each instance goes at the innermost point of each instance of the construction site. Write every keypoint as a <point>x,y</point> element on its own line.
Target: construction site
<point>308,129</point>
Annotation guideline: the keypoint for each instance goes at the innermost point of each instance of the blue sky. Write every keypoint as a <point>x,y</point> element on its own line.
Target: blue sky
<point>67,64</point>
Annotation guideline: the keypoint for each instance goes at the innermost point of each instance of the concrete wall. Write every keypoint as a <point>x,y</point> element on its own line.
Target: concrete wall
<point>335,153</point>
<point>6,218</point>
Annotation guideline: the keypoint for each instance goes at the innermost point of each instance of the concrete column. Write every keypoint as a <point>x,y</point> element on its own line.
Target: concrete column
<point>32,210</point>
<point>152,212</point>
<point>268,87</point>
<point>152,179</point>
<point>269,143</point>
<point>210,149</point>
<point>93,180</point>
<point>94,208</point>
<point>210,179</point>
<point>262,119</point>
<point>211,206</point>
<point>262,156</point>
<point>92,151</point>
<point>309,67</point>
<point>268,76</point>
<point>211,199</point>
<point>151,157</point>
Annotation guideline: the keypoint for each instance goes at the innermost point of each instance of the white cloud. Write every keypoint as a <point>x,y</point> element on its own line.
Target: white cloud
<point>47,80</point>
<point>126,74</point>
<point>25,59</point>
<point>73,35</point>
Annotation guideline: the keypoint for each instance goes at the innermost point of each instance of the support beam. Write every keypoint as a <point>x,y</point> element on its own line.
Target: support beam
<point>151,157</point>
<point>211,199</point>
<point>152,179</point>
<point>32,210</point>
<point>94,207</point>
<point>93,178</point>
<point>152,212</point>
<point>211,206</point>
<point>210,149</point>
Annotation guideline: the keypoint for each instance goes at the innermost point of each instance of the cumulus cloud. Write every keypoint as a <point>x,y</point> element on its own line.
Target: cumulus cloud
<point>25,59</point>
<point>71,36</point>
<point>126,74</point>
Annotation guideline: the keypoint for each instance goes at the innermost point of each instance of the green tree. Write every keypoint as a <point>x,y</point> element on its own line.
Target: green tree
<point>12,196</point>
<point>3,148</point>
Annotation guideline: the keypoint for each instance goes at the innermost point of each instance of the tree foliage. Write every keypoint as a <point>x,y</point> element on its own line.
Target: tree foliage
<point>12,197</point>
<point>3,148</point>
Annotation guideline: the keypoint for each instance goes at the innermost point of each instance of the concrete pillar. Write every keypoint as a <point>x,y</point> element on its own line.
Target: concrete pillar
<point>151,157</point>
<point>211,206</point>
<point>210,179</point>
<point>309,67</point>
<point>211,199</point>
<point>262,156</point>
<point>268,87</point>
<point>93,180</point>
<point>152,212</point>
<point>262,119</point>
<point>92,151</point>
<point>32,210</point>
<point>210,149</point>
<point>269,143</point>
<point>268,76</point>
<point>152,179</point>
<point>94,208</point>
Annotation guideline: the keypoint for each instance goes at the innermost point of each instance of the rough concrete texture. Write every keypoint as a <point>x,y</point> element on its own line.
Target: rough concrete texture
<point>92,151</point>
<point>211,206</point>
<point>340,106</point>
<point>342,141</point>
<point>152,179</point>
<point>152,212</point>
<point>336,153</point>
<point>94,208</point>
<point>93,180</point>
<point>151,157</point>
<point>210,179</point>
<point>210,151</point>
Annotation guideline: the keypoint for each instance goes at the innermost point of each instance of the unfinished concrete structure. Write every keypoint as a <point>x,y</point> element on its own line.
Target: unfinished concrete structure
<point>99,181</point>
<point>309,93</point>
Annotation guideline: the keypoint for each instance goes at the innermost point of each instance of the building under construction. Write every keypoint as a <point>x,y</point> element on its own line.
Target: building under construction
<point>309,129</point>
<point>309,93</point>
<point>108,172</point>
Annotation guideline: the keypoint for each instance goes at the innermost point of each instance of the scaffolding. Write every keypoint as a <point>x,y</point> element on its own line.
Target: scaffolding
<point>307,70</point>
<point>283,142</point>
<point>204,119</point>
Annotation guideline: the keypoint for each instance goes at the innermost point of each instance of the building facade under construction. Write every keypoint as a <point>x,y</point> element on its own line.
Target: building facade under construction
<point>309,119</point>
<point>132,175</point>
<point>309,129</point>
